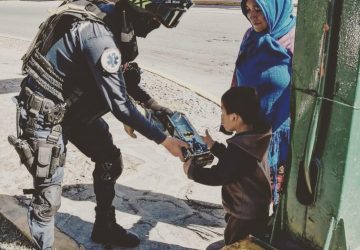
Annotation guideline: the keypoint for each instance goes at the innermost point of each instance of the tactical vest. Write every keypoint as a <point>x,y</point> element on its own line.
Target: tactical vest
<point>39,68</point>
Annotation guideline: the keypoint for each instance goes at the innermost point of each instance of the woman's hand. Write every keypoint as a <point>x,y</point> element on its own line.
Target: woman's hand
<point>208,139</point>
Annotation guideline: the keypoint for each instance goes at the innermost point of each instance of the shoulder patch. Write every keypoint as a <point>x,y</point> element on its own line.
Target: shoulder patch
<point>111,60</point>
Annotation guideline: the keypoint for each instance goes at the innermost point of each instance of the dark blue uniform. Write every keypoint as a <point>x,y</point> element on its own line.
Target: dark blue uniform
<point>74,76</point>
<point>77,57</point>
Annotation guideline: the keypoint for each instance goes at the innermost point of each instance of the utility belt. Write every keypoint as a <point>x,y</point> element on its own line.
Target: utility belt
<point>43,156</point>
<point>35,104</point>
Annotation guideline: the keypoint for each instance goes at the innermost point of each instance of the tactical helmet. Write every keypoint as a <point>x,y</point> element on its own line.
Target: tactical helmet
<point>167,12</point>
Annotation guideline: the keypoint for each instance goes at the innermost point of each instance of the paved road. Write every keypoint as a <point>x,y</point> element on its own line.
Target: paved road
<point>201,51</point>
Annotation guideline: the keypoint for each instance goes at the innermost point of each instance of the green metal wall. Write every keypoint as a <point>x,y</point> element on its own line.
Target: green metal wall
<point>325,127</point>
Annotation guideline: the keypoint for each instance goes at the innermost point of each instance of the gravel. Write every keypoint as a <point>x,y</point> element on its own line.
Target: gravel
<point>11,238</point>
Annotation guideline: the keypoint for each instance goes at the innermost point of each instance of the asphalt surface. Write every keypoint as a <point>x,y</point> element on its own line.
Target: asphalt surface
<point>200,52</point>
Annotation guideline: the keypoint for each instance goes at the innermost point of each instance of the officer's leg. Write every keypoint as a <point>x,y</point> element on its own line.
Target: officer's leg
<point>44,150</point>
<point>45,203</point>
<point>95,141</point>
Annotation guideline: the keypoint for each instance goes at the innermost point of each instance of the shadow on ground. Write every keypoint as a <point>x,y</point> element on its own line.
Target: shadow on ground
<point>10,85</point>
<point>11,237</point>
<point>152,208</point>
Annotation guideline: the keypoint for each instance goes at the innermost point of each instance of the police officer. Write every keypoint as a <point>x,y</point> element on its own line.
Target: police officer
<point>74,76</point>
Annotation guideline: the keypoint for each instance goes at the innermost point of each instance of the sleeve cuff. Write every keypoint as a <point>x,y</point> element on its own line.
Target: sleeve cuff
<point>159,137</point>
<point>216,148</point>
<point>191,172</point>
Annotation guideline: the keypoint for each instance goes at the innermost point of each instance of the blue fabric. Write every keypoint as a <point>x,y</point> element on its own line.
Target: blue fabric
<point>107,7</point>
<point>266,65</point>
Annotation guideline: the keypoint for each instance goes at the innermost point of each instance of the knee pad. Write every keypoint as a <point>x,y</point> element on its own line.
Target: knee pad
<point>109,171</point>
<point>46,202</point>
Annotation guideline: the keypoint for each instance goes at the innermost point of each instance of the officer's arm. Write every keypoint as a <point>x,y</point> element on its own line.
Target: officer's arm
<point>136,92</point>
<point>111,85</point>
<point>132,78</point>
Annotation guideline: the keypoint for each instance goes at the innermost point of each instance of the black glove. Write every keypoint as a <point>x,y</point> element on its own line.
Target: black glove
<point>132,74</point>
<point>157,108</point>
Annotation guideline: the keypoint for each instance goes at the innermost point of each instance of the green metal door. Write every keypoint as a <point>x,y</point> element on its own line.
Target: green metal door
<point>321,207</point>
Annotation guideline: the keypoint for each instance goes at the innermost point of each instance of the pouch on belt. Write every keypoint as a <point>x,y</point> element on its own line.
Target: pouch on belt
<point>43,160</point>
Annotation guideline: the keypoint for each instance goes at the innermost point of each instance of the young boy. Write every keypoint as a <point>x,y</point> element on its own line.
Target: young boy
<point>242,169</point>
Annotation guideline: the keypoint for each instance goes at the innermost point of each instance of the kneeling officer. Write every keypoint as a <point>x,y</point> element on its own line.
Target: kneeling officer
<point>74,76</point>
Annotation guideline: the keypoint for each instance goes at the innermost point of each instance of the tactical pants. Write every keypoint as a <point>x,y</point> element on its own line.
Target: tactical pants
<point>95,141</point>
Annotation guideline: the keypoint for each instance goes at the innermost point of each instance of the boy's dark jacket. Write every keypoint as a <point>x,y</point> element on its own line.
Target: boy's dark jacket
<point>243,172</point>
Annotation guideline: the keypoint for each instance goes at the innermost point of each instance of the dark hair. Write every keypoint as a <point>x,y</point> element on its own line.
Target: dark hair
<point>243,8</point>
<point>244,102</point>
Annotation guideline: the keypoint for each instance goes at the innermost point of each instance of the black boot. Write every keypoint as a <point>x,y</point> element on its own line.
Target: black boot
<point>107,231</point>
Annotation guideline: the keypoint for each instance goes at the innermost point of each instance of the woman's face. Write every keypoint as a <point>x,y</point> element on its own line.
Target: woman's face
<point>255,16</point>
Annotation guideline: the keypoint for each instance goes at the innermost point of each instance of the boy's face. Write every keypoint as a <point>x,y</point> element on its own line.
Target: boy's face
<point>229,121</point>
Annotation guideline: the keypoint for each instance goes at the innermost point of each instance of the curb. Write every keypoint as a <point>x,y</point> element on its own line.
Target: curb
<point>17,215</point>
<point>186,85</point>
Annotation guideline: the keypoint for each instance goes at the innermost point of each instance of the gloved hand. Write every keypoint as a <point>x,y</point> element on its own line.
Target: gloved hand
<point>130,131</point>
<point>153,105</point>
<point>132,74</point>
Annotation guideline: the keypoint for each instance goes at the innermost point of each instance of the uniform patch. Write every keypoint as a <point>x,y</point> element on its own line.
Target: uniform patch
<point>111,60</point>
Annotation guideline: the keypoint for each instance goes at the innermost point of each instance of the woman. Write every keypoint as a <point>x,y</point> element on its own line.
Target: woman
<point>264,62</point>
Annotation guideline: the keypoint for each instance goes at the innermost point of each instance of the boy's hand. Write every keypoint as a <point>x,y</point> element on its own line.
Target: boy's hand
<point>208,139</point>
<point>187,165</point>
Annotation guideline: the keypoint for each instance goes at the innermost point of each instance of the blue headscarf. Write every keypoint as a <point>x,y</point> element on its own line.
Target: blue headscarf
<point>278,15</point>
<point>266,65</point>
